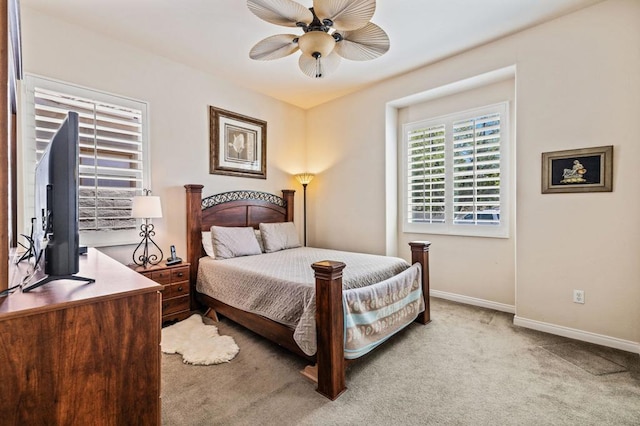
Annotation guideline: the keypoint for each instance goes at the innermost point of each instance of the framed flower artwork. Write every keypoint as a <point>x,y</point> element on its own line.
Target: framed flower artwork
<point>237,144</point>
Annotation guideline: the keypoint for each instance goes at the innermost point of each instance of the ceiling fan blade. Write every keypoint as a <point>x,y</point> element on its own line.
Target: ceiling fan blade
<point>363,44</point>
<point>346,15</point>
<point>274,47</point>
<point>313,69</point>
<point>280,12</point>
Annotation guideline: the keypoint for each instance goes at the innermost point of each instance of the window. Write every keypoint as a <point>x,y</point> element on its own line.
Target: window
<point>112,164</point>
<point>455,180</point>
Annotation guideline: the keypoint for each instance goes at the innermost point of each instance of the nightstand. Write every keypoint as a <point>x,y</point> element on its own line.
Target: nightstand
<point>175,294</point>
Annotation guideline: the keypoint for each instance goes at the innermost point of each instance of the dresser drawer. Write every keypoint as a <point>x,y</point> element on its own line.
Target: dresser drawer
<point>176,290</point>
<point>175,304</point>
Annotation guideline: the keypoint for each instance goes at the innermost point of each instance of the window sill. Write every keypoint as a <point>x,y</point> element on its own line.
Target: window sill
<point>458,230</point>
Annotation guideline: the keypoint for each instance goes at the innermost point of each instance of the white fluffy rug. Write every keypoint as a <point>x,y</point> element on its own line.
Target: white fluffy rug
<point>199,343</point>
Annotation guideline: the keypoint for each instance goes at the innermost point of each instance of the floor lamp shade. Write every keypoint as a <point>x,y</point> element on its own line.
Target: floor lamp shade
<point>304,178</point>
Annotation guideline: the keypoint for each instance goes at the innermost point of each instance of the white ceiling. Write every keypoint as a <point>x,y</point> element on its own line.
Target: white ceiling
<point>216,36</point>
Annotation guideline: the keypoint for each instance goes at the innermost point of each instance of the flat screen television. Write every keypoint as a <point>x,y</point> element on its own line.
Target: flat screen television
<point>55,234</point>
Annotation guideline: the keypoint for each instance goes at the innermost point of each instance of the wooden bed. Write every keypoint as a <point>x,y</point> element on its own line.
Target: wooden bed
<point>250,208</point>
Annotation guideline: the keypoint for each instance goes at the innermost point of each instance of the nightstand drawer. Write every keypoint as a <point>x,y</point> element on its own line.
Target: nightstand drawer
<point>175,304</point>
<point>176,290</point>
<point>177,316</point>
<point>161,277</point>
<point>179,274</point>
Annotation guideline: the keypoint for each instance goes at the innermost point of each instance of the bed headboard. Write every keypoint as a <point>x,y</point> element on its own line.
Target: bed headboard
<point>234,208</point>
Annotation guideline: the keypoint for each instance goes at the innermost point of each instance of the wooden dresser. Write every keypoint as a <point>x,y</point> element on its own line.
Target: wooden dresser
<point>77,353</point>
<point>175,293</point>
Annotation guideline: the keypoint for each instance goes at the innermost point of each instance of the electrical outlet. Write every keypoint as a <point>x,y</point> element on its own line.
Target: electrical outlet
<point>578,296</point>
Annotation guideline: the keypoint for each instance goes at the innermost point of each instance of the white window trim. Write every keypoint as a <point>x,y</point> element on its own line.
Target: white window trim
<point>449,228</point>
<point>28,153</point>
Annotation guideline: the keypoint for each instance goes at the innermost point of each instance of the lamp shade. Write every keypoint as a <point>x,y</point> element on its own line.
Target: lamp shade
<point>304,178</point>
<point>146,207</point>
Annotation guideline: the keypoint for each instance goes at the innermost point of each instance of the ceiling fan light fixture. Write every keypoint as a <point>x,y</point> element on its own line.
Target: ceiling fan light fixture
<point>333,29</point>
<point>316,42</point>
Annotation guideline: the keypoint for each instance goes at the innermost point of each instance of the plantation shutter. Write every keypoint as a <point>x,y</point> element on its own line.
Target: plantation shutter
<point>476,170</point>
<point>456,180</point>
<point>111,157</point>
<point>426,174</point>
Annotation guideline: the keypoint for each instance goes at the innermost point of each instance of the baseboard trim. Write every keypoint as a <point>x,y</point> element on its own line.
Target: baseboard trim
<point>502,307</point>
<point>572,333</point>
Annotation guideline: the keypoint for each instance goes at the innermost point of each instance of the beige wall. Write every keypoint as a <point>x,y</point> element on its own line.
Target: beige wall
<point>577,85</point>
<point>178,98</point>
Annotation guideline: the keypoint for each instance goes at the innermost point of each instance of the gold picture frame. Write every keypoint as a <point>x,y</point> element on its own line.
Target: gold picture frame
<point>237,144</point>
<point>578,170</point>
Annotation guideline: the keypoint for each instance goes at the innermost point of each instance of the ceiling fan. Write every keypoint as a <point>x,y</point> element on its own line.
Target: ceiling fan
<point>333,29</point>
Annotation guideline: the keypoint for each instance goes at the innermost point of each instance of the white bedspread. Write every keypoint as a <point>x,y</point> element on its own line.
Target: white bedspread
<point>281,285</point>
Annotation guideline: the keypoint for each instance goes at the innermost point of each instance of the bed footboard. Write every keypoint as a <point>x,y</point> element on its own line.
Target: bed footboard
<point>330,318</point>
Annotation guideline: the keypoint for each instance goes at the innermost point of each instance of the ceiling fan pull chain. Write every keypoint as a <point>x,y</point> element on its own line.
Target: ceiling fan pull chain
<point>318,66</point>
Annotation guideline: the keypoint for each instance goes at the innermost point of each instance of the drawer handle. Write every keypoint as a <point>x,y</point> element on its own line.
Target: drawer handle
<point>180,288</point>
<point>180,274</point>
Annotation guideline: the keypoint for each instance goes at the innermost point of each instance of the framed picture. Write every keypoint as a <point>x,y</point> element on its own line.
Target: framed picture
<point>237,144</point>
<point>578,170</point>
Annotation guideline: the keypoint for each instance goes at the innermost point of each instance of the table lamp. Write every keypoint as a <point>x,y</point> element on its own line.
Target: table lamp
<point>146,207</point>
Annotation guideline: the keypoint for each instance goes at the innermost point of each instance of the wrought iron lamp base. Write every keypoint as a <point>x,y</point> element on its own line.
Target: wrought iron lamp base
<point>141,254</point>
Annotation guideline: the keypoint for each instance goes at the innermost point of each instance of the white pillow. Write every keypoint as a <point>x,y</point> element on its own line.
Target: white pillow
<point>279,236</point>
<point>231,242</point>
<point>207,244</point>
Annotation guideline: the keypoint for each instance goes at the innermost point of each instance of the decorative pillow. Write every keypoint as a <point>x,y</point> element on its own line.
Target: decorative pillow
<point>279,236</point>
<point>231,242</point>
<point>207,244</point>
<point>259,238</point>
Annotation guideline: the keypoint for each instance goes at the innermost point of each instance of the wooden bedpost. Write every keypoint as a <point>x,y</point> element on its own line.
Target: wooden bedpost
<point>420,254</point>
<point>194,239</point>
<point>287,195</point>
<point>330,328</point>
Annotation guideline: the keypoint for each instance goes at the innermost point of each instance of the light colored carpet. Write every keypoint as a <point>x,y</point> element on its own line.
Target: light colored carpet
<point>470,366</point>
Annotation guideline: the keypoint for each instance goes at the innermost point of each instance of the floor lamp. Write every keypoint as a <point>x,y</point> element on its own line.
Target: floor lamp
<point>304,179</point>
<point>146,207</point>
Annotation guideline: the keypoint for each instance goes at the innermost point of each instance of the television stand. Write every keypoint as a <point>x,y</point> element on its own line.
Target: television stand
<point>50,278</point>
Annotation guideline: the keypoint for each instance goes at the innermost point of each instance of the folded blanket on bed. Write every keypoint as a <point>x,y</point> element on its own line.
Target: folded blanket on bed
<point>375,313</point>
<point>372,313</point>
